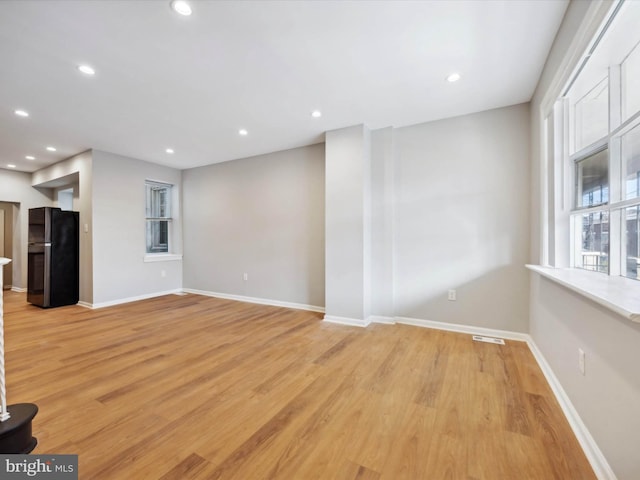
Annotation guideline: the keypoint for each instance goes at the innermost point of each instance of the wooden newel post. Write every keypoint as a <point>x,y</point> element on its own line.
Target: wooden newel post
<point>15,420</point>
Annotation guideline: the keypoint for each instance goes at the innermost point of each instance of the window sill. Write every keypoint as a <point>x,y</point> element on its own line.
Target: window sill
<point>162,257</point>
<point>619,294</point>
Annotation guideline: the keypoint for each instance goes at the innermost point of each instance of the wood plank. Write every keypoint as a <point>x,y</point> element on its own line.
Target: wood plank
<point>194,387</point>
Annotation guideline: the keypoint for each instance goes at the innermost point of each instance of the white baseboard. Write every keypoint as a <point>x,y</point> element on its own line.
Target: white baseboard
<point>382,319</point>
<point>113,302</point>
<point>455,327</point>
<point>594,455</point>
<point>357,322</point>
<point>596,458</point>
<point>353,322</point>
<point>260,301</point>
<point>120,301</point>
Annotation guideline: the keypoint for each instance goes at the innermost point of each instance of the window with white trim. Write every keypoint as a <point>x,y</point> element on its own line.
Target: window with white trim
<point>158,216</point>
<point>597,142</point>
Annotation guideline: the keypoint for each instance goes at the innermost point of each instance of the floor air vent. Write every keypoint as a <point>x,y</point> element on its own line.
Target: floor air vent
<point>480,338</point>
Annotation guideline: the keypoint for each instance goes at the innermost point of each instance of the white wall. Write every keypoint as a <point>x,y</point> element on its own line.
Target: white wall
<point>348,224</point>
<point>119,269</point>
<point>382,291</point>
<point>15,187</point>
<point>263,216</point>
<point>608,395</point>
<point>462,219</point>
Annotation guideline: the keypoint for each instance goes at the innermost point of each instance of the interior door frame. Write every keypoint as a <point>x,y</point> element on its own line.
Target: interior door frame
<point>2,253</point>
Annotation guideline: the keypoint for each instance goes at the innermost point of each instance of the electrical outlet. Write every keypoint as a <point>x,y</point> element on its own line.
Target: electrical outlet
<point>163,273</point>
<point>452,296</point>
<point>581,360</point>
<point>245,277</point>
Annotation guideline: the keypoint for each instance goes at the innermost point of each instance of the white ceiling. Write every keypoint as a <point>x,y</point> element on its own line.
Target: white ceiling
<point>189,83</point>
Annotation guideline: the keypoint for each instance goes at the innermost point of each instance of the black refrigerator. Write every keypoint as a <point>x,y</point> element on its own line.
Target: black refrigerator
<point>53,278</point>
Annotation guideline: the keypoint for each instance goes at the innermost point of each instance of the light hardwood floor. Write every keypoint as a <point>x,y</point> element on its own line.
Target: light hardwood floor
<point>191,387</point>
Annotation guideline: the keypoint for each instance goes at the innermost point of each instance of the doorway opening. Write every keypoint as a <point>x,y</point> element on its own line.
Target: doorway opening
<point>65,199</point>
<point>8,239</point>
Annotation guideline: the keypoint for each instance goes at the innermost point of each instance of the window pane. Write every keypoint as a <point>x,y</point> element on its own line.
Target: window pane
<point>630,81</point>
<point>595,241</point>
<point>592,180</point>
<point>157,236</point>
<point>630,226</point>
<point>158,213</point>
<point>591,114</point>
<point>631,163</point>
<point>158,201</point>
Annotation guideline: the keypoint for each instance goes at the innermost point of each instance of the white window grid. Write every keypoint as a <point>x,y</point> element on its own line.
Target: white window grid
<point>617,204</point>
<point>161,214</point>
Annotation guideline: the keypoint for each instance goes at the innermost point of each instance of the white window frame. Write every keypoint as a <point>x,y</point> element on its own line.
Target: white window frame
<point>556,173</point>
<point>563,176</point>
<point>151,256</point>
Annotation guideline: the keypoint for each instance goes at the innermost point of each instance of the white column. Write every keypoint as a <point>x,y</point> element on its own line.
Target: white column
<point>348,226</point>
<point>382,155</point>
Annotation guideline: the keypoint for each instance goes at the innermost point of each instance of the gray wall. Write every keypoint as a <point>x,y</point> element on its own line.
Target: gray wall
<point>119,269</point>
<point>77,172</point>
<point>462,219</point>
<point>263,216</point>
<point>15,187</point>
<point>608,395</point>
<point>109,193</point>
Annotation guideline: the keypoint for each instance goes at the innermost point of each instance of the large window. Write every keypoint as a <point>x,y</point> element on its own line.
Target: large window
<point>158,215</point>
<point>600,144</point>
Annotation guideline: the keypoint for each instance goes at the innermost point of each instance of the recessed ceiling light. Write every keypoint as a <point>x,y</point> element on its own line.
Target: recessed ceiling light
<point>243,132</point>
<point>11,165</point>
<point>169,150</point>
<point>316,114</point>
<point>181,7</point>
<point>30,157</point>
<point>86,69</point>
<point>51,149</point>
<point>454,77</point>
<point>21,113</point>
